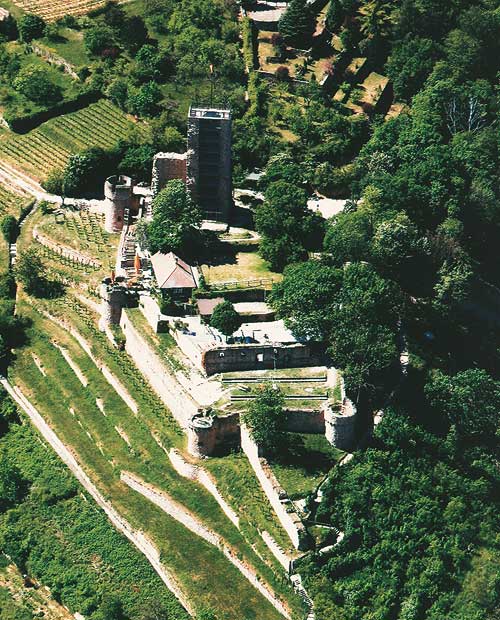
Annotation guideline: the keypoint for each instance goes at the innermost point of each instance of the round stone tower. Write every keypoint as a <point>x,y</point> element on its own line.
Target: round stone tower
<point>340,424</point>
<point>113,300</point>
<point>118,195</point>
<point>202,435</point>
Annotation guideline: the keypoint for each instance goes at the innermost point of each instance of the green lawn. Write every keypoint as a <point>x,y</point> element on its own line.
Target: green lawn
<point>70,46</point>
<point>289,373</point>
<point>309,460</point>
<point>238,265</point>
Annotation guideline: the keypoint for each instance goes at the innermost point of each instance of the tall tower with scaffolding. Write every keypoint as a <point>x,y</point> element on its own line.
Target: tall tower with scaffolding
<point>209,161</point>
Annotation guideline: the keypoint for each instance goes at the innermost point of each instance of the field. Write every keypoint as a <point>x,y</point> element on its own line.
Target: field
<point>244,267</point>
<point>69,45</point>
<point>82,231</point>
<point>51,10</point>
<point>49,146</point>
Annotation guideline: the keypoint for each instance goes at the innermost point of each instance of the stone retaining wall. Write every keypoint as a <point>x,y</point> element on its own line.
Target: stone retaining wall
<point>198,474</point>
<point>277,497</point>
<point>173,395</point>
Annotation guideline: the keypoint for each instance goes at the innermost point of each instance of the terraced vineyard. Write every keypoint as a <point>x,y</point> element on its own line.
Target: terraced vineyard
<point>49,146</point>
<point>51,10</point>
<point>12,202</point>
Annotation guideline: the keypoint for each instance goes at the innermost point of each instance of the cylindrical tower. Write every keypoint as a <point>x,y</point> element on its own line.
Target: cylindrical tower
<point>202,435</point>
<point>340,424</point>
<point>118,199</point>
<point>113,300</point>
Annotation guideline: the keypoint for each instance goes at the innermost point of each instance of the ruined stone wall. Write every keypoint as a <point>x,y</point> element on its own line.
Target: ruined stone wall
<point>180,403</point>
<point>305,421</point>
<point>207,435</point>
<point>231,358</point>
<point>274,492</point>
<point>167,167</point>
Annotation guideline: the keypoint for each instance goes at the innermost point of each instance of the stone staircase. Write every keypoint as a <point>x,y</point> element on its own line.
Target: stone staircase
<point>301,591</point>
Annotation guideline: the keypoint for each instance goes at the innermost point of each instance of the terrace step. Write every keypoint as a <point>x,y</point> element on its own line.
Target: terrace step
<point>321,379</point>
<point>285,396</point>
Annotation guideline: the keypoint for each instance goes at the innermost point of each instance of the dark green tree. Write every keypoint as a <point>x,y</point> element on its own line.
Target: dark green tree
<point>36,84</point>
<point>99,38</point>
<point>31,27</point>
<point>225,318</point>
<point>265,418</point>
<point>10,228</point>
<point>470,400</point>
<point>176,221</point>
<point>30,270</point>
<point>296,25</point>
<point>306,298</point>
<point>145,101</point>
<point>288,228</point>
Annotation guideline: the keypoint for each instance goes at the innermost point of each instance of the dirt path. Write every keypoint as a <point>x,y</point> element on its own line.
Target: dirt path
<point>138,538</point>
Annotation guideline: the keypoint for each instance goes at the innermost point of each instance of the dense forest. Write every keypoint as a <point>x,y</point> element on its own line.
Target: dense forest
<point>411,266</point>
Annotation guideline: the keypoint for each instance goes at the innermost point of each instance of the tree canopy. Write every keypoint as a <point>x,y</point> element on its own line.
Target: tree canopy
<point>225,318</point>
<point>176,221</point>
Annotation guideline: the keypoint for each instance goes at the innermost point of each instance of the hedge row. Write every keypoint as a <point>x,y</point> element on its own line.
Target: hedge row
<point>27,122</point>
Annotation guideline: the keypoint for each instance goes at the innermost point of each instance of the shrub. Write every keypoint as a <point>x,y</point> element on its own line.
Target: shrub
<point>10,228</point>
<point>31,27</point>
<point>282,74</point>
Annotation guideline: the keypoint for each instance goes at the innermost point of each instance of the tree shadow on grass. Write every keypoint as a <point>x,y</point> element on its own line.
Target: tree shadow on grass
<point>294,453</point>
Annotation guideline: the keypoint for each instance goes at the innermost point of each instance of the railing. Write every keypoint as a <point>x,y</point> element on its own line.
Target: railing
<point>239,284</point>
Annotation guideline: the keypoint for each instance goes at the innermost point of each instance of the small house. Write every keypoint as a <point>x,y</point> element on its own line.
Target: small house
<point>174,276</point>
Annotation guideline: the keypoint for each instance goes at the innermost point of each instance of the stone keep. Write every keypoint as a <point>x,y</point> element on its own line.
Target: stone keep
<point>209,161</point>
<point>118,193</point>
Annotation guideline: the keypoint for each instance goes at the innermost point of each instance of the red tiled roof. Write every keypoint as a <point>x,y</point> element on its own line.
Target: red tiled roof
<point>172,272</point>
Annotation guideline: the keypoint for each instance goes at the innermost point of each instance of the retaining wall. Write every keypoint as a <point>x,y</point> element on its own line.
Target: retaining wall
<point>290,521</point>
<point>198,474</point>
<point>173,395</point>
<point>305,421</point>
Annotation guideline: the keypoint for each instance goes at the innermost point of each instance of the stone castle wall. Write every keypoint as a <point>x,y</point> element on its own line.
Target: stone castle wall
<point>180,403</point>
<point>232,358</point>
<point>167,167</point>
<point>290,521</point>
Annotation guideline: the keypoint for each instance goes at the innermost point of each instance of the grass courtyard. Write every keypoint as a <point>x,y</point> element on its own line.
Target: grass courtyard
<point>239,265</point>
<point>303,467</point>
